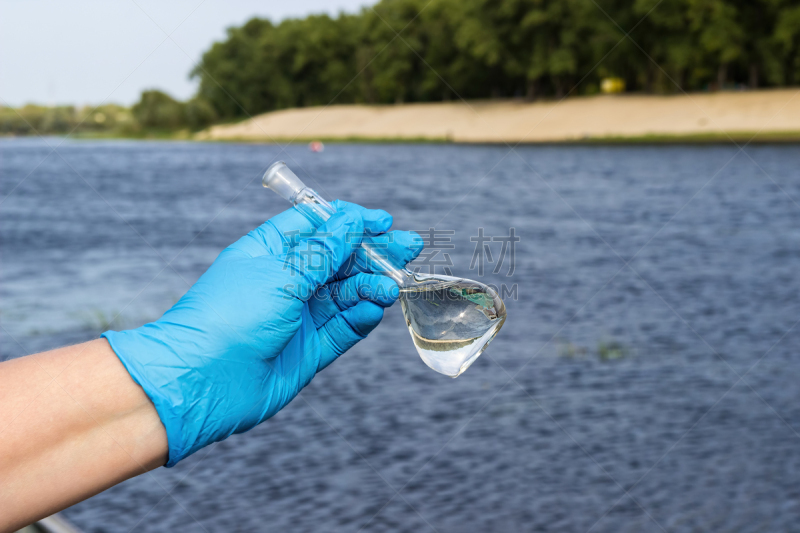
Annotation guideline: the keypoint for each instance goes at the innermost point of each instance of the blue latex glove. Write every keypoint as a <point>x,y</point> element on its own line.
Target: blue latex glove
<point>274,308</point>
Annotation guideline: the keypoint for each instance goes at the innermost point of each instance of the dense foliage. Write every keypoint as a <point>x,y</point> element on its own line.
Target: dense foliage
<point>500,48</point>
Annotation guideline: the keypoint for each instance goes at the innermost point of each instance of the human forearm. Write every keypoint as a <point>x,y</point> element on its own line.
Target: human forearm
<point>72,424</point>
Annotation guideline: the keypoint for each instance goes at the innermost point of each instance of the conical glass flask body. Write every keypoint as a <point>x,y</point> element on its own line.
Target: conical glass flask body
<point>451,321</point>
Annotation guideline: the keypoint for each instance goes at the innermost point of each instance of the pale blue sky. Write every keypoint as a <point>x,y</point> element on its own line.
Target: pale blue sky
<point>91,51</point>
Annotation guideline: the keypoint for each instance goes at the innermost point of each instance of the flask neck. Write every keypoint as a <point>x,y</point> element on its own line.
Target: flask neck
<point>313,206</point>
<point>316,209</point>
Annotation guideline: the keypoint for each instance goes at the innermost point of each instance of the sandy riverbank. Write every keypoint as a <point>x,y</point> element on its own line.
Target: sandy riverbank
<point>773,114</point>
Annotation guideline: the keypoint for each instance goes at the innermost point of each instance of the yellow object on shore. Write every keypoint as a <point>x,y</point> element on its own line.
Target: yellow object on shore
<point>612,85</point>
<point>772,114</point>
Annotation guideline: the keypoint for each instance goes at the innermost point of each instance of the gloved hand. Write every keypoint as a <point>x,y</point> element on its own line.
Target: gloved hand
<point>274,308</point>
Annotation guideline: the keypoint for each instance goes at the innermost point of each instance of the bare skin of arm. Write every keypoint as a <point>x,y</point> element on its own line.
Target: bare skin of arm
<point>72,424</point>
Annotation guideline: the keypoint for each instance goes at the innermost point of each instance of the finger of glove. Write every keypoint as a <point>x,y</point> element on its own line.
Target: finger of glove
<point>401,247</point>
<point>314,259</point>
<point>331,299</point>
<point>284,230</point>
<point>376,221</point>
<point>344,330</point>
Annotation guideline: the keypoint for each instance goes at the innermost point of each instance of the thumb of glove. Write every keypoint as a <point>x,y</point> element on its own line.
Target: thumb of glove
<point>316,258</point>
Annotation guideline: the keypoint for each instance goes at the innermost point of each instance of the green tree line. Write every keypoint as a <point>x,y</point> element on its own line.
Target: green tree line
<point>156,113</point>
<point>32,119</point>
<point>500,48</point>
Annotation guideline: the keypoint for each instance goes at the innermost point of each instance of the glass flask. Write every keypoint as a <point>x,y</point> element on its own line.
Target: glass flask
<point>451,320</point>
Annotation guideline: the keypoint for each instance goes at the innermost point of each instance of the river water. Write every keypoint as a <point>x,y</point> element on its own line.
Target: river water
<point>646,378</point>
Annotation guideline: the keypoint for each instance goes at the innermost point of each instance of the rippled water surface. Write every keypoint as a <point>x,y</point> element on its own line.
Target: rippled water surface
<point>647,374</point>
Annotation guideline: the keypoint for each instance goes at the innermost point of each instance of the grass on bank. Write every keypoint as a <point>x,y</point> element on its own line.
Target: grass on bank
<point>768,137</point>
<point>717,137</point>
<point>779,137</point>
<point>158,116</point>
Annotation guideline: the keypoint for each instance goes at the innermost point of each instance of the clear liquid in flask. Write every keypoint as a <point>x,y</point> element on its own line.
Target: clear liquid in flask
<point>451,321</point>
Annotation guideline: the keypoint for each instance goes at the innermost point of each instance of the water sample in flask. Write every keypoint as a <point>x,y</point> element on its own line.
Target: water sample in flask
<point>451,320</point>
